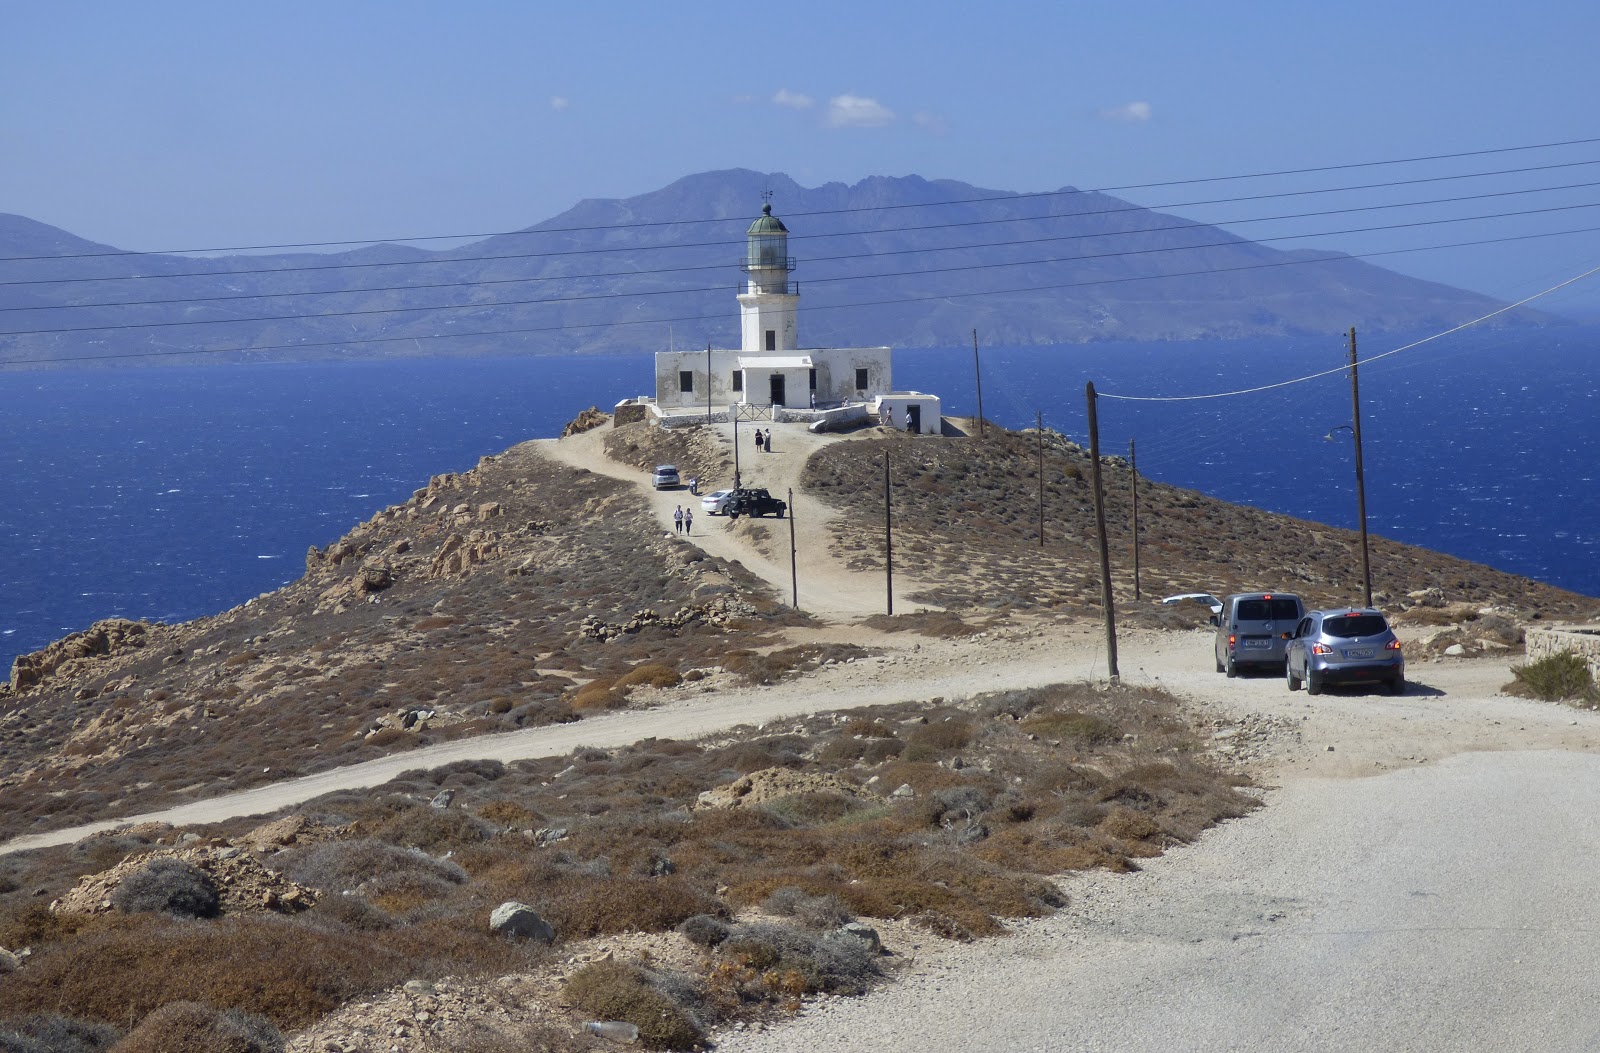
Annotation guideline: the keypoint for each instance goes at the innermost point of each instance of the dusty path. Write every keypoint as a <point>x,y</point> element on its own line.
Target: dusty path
<point>1420,879</point>
<point>828,589</point>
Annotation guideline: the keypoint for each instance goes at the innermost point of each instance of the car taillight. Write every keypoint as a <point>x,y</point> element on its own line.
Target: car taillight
<point>1321,648</point>
<point>1232,639</point>
<point>1392,645</point>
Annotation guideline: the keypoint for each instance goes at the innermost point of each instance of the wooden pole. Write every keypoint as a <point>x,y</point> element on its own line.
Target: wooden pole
<point>1361,482</point>
<point>1038,427</point>
<point>977,372</point>
<point>888,539</point>
<point>794,567</point>
<point>1100,527</point>
<point>1133,462</point>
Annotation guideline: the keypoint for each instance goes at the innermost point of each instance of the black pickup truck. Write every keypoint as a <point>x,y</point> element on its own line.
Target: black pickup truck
<point>750,501</point>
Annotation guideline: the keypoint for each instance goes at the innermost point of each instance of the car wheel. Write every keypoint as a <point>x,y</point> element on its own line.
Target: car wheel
<point>1232,670</point>
<point>1219,664</point>
<point>1294,681</point>
<point>1313,682</point>
<point>781,511</point>
<point>733,515</point>
<point>1397,684</point>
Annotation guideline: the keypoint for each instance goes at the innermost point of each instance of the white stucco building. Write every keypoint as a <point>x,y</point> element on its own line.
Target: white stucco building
<point>770,369</point>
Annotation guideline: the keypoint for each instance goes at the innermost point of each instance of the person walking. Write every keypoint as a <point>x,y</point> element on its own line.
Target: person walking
<point>759,441</point>
<point>688,520</point>
<point>677,519</point>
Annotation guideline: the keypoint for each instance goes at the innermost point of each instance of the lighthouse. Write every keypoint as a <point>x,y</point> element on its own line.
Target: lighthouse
<point>768,305</point>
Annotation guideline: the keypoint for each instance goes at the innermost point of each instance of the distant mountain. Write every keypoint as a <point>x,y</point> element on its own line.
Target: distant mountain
<point>901,261</point>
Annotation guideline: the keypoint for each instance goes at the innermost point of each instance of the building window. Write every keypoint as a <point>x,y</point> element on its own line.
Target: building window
<point>813,380</point>
<point>738,380</point>
<point>861,379</point>
<point>686,380</point>
<point>772,340</point>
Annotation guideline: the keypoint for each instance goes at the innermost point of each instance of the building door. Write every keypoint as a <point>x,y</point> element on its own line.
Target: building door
<point>777,390</point>
<point>914,419</point>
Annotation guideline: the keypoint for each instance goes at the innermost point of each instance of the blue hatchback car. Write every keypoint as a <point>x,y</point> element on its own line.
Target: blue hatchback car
<point>1353,645</point>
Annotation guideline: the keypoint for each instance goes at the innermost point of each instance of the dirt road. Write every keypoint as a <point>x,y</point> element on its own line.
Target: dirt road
<point>1419,880</point>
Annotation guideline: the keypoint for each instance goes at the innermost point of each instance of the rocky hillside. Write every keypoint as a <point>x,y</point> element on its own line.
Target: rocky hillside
<point>480,605</point>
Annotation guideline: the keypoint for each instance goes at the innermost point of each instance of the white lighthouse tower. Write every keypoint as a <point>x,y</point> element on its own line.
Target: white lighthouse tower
<point>768,305</point>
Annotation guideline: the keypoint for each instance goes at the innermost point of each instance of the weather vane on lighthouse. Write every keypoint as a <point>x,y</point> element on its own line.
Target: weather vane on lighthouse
<point>766,196</point>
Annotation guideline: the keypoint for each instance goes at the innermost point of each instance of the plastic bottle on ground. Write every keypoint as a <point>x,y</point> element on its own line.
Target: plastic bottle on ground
<point>617,1030</point>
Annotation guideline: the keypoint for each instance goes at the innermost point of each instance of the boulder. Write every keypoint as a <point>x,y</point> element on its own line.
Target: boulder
<point>865,933</point>
<point>520,921</point>
<point>9,963</point>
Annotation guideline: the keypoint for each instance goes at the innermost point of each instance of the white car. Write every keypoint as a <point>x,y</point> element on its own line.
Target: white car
<point>715,504</point>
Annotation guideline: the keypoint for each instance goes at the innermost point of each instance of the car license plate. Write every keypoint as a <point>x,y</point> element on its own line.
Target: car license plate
<point>1358,652</point>
<point>1258,643</point>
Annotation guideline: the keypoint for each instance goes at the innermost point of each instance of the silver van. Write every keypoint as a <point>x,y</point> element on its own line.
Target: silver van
<point>1253,629</point>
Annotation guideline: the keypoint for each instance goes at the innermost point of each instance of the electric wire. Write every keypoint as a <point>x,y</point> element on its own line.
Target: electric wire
<point>1185,226</point>
<point>1348,166</point>
<point>523,331</point>
<point>632,294</point>
<point>216,272</point>
<point>1368,361</point>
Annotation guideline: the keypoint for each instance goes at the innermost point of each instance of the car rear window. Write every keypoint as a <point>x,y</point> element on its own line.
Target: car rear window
<point>1274,610</point>
<point>1349,626</point>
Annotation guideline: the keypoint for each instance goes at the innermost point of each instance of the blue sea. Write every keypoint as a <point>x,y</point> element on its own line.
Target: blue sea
<point>173,492</point>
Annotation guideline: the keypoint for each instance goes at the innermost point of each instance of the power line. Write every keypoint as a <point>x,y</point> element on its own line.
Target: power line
<point>345,343</point>
<point>1349,166</point>
<point>562,253</point>
<point>586,297</point>
<point>1187,225</point>
<point>1374,358</point>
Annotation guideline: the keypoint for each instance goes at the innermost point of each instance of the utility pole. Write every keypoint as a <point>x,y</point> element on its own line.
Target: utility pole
<point>1133,462</point>
<point>708,382</point>
<point>1100,526</point>
<point>888,539</point>
<point>1038,427</point>
<point>733,412</point>
<point>978,374</point>
<point>794,567</point>
<point>1361,481</point>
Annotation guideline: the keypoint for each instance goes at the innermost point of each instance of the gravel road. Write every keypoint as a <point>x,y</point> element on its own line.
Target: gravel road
<point>1430,909</point>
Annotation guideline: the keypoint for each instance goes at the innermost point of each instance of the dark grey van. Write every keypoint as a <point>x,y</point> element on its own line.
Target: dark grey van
<point>1253,629</point>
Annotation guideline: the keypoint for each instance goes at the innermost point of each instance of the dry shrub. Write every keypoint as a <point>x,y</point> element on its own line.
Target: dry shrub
<point>597,695</point>
<point>612,991</point>
<point>586,906</point>
<point>128,966</point>
<point>937,624</point>
<point>384,738</point>
<point>933,740</point>
<point>509,813</point>
<point>1557,678</point>
<point>50,1033</point>
<point>435,830</point>
<point>655,674</point>
<point>340,866</point>
<point>1080,729</point>
<point>814,912</point>
<point>867,728</point>
<point>189,1027</point>
<point>170,886</point>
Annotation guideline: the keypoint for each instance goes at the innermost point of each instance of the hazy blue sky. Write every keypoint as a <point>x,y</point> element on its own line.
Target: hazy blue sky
<point>163,125</point>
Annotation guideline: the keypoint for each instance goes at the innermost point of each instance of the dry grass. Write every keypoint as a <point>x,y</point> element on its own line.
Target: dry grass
<point>407,887</point>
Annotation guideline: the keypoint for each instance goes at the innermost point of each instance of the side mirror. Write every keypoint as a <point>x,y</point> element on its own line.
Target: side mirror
<point>1212,619</point>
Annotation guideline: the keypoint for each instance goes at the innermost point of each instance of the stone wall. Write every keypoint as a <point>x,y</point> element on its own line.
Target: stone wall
<point>1583,640</point>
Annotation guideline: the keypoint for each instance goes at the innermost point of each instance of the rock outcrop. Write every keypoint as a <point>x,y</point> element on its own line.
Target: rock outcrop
<point>103,639</point>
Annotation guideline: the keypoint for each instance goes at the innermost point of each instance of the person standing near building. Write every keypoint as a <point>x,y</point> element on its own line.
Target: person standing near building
<point>769,440</point>
<point>760,448</point>
<point>677,519</point>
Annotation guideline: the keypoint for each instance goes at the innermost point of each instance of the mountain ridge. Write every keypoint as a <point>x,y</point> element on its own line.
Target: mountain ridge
<point>898,260</point>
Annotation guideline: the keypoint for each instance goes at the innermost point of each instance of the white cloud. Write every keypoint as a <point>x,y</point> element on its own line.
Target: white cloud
<point>933,122</point>
<point>792,99</point>
<point>1130,112</point>
<point>559,102</point>
<point>857,111</point>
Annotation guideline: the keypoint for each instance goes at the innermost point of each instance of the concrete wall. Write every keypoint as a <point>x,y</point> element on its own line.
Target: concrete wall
<point>836,377</point>
<point>1582,640</point>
